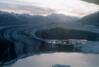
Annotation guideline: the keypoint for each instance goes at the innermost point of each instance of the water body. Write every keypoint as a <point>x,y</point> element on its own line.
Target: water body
<point>47,60</point>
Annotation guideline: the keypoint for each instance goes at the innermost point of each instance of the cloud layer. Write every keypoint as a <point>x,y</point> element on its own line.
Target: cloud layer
<point>45,7</point>
<point>27,9</point>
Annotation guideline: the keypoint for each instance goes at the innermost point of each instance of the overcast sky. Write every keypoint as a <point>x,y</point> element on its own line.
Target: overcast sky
<point>44,7</point>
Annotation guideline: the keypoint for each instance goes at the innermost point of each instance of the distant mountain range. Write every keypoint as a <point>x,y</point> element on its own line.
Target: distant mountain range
<point>15,19</point>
